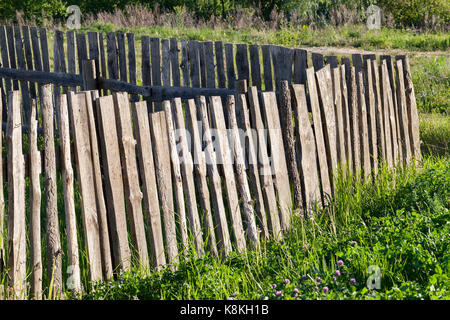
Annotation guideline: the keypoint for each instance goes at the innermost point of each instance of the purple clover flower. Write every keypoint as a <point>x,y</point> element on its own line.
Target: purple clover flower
<point>318,280</point>
<point>296,290</point>
<point>354,243</point>
<point>230,298</point>
<point>353,280</point>
<point>340,263</point>
<point>278,293</point>
<point>337,272</point>
<point>287,281</point>
<point>334,279</point>
<point>274,286</point>
<point>325,289</point>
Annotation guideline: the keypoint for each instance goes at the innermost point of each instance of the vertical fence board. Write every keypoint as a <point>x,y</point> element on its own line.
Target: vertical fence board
<point>318,132</point>
<point>187,172</point>
<point>243,119</point>
<point>354,121</point>
<point>133,194</point>
<point>145,65</point>
<point>243,69</point>
<point>16,195</point>
<point>35,208</point>
<point>194,62</point>
<point>379,115</point>
<point>317,61</point>
<point>279,167</point>
<point>197,157</point>
<point>165,66</point>
<point>147,172</point>
<point>174,62</point>
<point>363,127</point>
<point>411,109</point>
<point>82,51</point>
<point>114,184</point>
<point>5,60</point>
<point>177,178</point>
<point>255,66</point>
<point>325,91</point>
<point>265,169</point>
<point>22,65</point>
<point>29,58</point>
<point>372,115</point>
<point>201,53</point>
<point>132,62</point>
<point>12,52</point>
<point>225,161</point>
<point>122,56</point>
<point>307,149</point>
<point>229,56</point>
<point>101,205</point>
<point>346,117</point>
<point>185,62</point>
<point>71,60</point>
<point>389,119</point>
<point>267,65</point>
<point>287,129</point>
<point>209,62</point>
<point>224,241</point>
<point>300,66</point>
<point>155,54</point>
<point>69,198</point>
<point>241,175</point>
<point>164,181</point>
<point>54,253</point>
<point>220,64</point>
<point>339,115</point>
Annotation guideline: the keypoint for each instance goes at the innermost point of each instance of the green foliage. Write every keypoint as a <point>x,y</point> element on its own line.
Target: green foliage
<point>33,9</point>
<point>417,12</point>
<point>402,227</point>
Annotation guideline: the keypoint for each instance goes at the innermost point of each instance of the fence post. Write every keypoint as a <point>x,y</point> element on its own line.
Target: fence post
<point>89,75</point>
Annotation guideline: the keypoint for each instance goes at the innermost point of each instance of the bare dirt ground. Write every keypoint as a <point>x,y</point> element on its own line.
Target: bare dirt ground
<point>346,50</point>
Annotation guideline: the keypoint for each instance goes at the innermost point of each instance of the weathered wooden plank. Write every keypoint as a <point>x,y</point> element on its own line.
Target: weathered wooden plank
<point>35,207</point>
<point>59,65</point>
<point>44,49</point>
<point>379,114</point>
<point>317,61</point>
<point>132,62</point>
<point>318,133</point>
<point>123,74</point>
<point>209,64</point>
<point>220,64</point>
<point>363,127</point>
<point>357,62</point>
<point>174,62</point>
<point>354,122</point>
<point>241,175</point>
<point>94,50</point>
<point>229,56</point>
<point>393,97</point>
<point>411,108</point>
<point>71,59</point>
<point>225,161</point>
<point>402,112</point>
<point>148,178</point>
<point>325,91</point>
<point>102,58</point>
<point>346,118</point>
<point>196,159</point>
<point>133,194</point>
<point>111,49</point>
<point>82,51</point>
<point>194,62</point>
<point>165,66</point>
<point>29,57</point>
<point>332,61</point>
<point>267,67</point>
<point>265,169</point>
<point>164,180</point>
<point>16,199</point>
<point>155,54</point>
<point>243,119</point>
<point>201,53</point>
<point>177,178</point>
<point>86,180</point>
<point>255,66</point>
<point>242,66</point>
<point>185,62</point>
<point>300,66</point>
<point>372,115</point>
<point>223,236</point>
<point>22,65</point>
<point>12,53</point>
<point>145,65</point>
<point>2,204</point>
<point>5,60</point>
<point>307,150</point>
<point>69,198</point>
<point>389,117</point>
<point>279,167</point>
<point>113,183</point>
<point>93,117</point>
<point>287,128</point>
<point>187,172</point>
<point>54,257</point>
<point>282,63</point>
<point>339,115</point>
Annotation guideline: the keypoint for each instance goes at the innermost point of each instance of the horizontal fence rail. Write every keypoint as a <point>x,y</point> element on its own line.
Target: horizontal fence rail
<point>210,148</point>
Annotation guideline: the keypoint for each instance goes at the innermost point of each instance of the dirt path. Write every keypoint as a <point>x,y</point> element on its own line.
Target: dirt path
<point>348,51</point>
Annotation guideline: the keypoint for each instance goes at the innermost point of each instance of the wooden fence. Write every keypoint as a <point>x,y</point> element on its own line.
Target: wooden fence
<point>202,163</point>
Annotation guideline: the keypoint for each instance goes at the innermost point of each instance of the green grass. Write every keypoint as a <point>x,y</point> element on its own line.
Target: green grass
<point>435,134</point>
<point>402,227</point>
